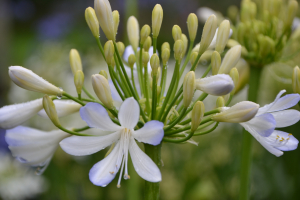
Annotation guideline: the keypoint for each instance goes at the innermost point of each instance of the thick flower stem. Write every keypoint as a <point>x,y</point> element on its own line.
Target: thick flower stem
<point>247,137</point>
<point>152,189</point>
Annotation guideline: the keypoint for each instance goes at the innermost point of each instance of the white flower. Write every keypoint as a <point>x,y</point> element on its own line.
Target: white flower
<point>204,13</point>
<point>63,108</point>
<point>275,115</point>
<point>123,136</point>
<point>33,147</point>
<point>28,80</point>
<point>14,115</point>
<point>217,85</point>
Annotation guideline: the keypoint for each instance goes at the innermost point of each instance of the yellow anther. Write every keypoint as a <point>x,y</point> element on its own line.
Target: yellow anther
<point>282,138</point>
<point>287,138</point>
<point>290,134</point>
<point>112,172</point>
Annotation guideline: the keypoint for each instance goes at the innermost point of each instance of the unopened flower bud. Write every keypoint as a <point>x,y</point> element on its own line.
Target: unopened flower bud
<point>165,45</point>
<point>197,115</point>
<point>103,73</point>
<point>220,102</point>
<point>102,90</point>
<point>215,62</point>
<point>188,88</point>
<point>185,42</point>
<point>206,57</point>
<point>234,74</point>
<point>154,63</point>
<point>133,31</point>
<point>193,57</point>
<point>157,17</point>
<point>131,60</point>
<point>178,49</point>
<point>296,80</point>
<point>28,80</point>
<point>145,32</point>
<point>157,74</point>
<point>109,51</point>
<point>233,13</point>
<point>176,32</point>
<point>92,21</point>
<point>147,44</point>
<point>266,45</point>
<point>240,112</point>
<point>121,48</point>
<point>49,108</point>
<point>105,18</point>
<point>192,24</point>
<point>75,61</point>
<point>230,60</point>
<point>222,36</point>
<point>116,18</point>
<point>244,74</point>
<point>78,81</point>
<point>291,13</point>
<point>145,58</point>
<point>231,43</point>
<point>208,33</point>
<point>165,55</point>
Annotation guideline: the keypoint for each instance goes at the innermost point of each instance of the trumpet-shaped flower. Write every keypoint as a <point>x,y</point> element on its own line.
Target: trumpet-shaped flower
<point>275,115</point>
<point>217,85</point>
<point>103,172</point>
<point>33,147</point>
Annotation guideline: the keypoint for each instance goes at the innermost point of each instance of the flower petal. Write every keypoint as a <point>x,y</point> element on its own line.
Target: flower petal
<point>129,113</point>
<point>285,102</point>
<point>143,165</point>
<point>114,92</point>
<point>103,172</point>
<point>63,108</point>
<point>96,116</point>
<point>263,125</point>
<point>151,133</point>
<point>269,147</point>
<point>33,146</point>
<point>14,115</point>
<point>217,85</point>
<point>87,145</point>
<point>283,141</point>
<point>286,117</point>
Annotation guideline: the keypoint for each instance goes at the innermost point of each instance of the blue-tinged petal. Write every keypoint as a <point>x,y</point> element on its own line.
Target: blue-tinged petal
<point>265,108</point>
<point>143,165</point>
<point>129,113</point>
<point>151,133</point>
<point>282,141</point>
<point>263,125</point>
<point>96,116</point>
<point>114,93</point>
<point>269,147</point>
<point>286,118</point>
<point>285,102</point>
<point>103,172</point>
<point>87,145</point>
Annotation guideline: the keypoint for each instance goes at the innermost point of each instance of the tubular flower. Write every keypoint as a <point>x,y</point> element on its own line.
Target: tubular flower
<point>103,172</point>
<point>275,115</point>
<point>33,147</point>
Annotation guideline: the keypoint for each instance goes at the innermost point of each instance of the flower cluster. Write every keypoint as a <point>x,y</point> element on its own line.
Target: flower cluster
<point>151,111</point>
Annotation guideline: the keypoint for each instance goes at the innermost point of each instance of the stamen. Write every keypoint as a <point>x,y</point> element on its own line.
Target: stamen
<point>121,172</point>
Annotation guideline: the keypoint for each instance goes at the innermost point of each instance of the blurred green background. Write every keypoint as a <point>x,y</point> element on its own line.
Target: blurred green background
<point>38,35</point>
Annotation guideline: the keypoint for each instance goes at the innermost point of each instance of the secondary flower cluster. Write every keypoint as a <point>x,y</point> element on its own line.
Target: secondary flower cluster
<point>151,112</point>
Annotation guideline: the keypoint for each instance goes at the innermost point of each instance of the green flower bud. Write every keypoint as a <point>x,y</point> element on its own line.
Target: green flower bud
<point>193,58</point>
<point>147,44</point>
<point>197,115</point>
<point>103,73</point>
<point>233,13</point>
<point>192,24</point>
<point>102,90</point>
<point>230,60</point>
<point>208,33</point>
<point>189,87</point>
<point>165,55</point>
<point>133,32</point>
<point>185,42</point>
<point>234,74</point>
<point>165,45</point>
<point>220,102</point>
<point>116,18</point>
<point>296,80</point>
<point>157,17</point>
<point>109,51</point>
<point>176,32</point>
<point>222,36</point>
<point>178,49</point>
<point>215,62</point>
<point>92,21</point>
<point>121,48</point>
<point>49,107</point>
<point>291,13</point>
<point>78,81</point>
<point>131,60</point>
<point>145,58</point>
<point>154,63</point>
<point>244,74</point>
<point>75,61</point>
<point>145,32</point>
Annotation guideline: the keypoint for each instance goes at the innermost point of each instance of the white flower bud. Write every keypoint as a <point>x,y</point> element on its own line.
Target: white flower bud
<point>116,18</point>
<point>176,32</point>
<point>222,36</point>
<point>102,90</point>
<point>133,32</point>
<point>92,21</point>
<point>28,80</point>
<point>230,60</point>
<point>157,17</point>
<point>197,115</point>
<point>216,85</point>
<point>105,18</point>
<point>188,88</point>
<point>192,24</point>
<point>240,112</point>
<point>208,33</point>
<point>75,61</point>
<point>50,109</point>
<point>215,62</point>
<point>78,81</point>
<point>63,108</point>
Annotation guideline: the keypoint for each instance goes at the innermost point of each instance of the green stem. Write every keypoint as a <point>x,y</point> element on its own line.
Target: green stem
<point>247,138</point>
<point>152,189</point>
<point>113,78</point>
<point>154,41</point>
<point>177,120</point>
<point>163,80</point>
<point>146,89</point>
<point>154,97</point>
<point>140,70</point>
<point>171,104</point>
<point>132,80</point>
<point>87,93</point>
<point>123,80</point>
<point>73,98</point>
<point>100,47</point>
<point>187,58</point>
